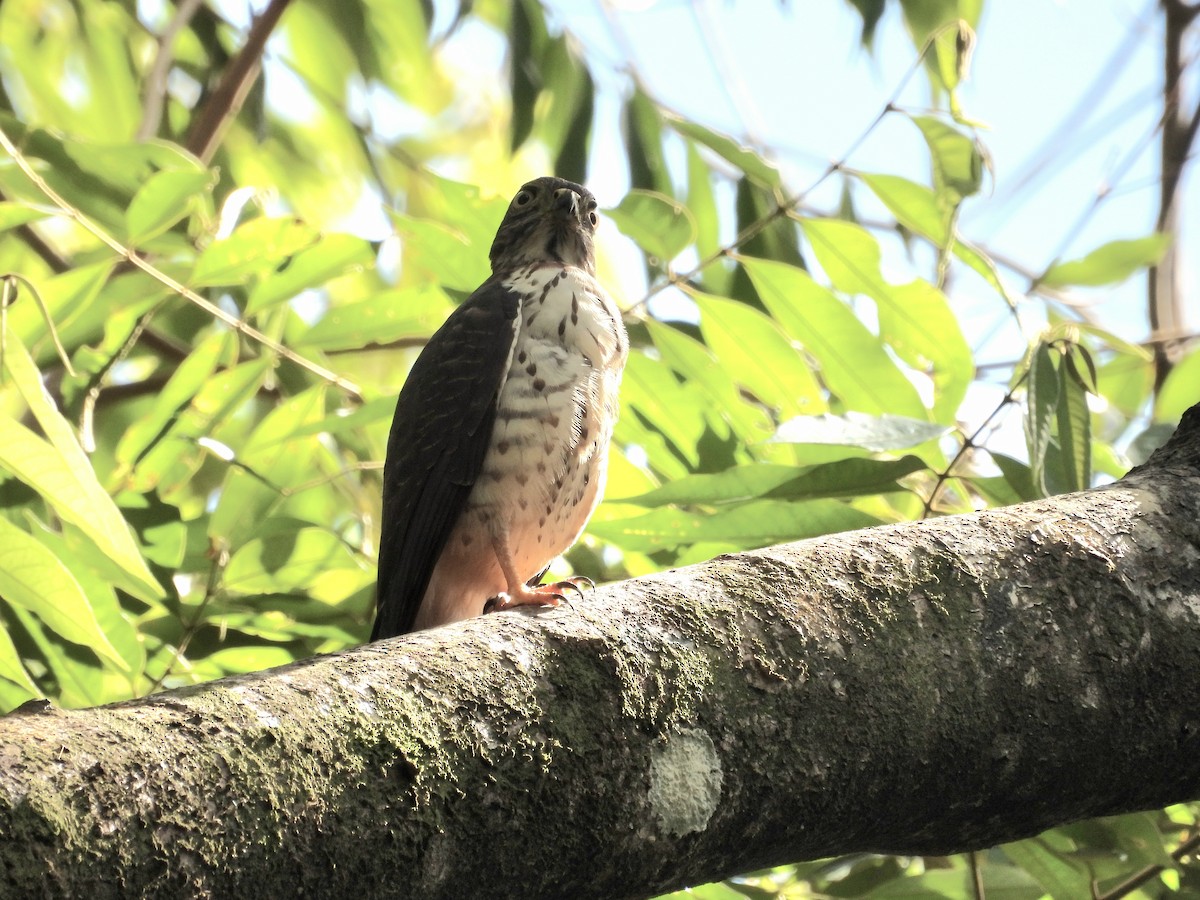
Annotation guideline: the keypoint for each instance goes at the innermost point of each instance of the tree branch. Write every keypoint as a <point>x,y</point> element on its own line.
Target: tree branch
<point>226,100</point>
<point>930,687</point>
<point>154,91</point>
<point>1164,297</point>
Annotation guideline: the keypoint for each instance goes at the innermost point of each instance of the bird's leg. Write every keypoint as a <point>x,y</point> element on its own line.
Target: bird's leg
<point>530,593</point>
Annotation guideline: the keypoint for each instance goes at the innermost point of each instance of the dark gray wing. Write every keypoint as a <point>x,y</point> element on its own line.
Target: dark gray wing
<point>440,434</point>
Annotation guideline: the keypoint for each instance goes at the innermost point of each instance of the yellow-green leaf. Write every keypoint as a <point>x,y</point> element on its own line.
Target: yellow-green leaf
<point>34,578</point>
<point>1109,263</point>
<point>657,223</point>
<point>853,363</point>
<point>162,201</point>
<point>63,475</point>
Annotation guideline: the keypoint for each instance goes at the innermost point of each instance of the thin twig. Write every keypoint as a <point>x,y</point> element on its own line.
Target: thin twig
<point>970,443</point>
<point>155,90</point>
<point>133,259</point>
<point>226,100</point>
<point>1188,847</point>
<point>220,559</point>
<point>976,875</point>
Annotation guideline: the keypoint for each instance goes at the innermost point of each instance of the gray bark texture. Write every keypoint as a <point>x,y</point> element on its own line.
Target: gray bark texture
<point>920,688</point>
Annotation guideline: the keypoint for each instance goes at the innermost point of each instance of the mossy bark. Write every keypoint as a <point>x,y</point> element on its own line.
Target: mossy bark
<point>925,688</point>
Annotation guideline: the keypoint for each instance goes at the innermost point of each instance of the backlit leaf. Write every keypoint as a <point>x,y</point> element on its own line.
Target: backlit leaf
<point>1109,263</point>
<point>875,433</point>
<point>743,158</point>
<point>658,224</point>
<point>61,473</point>
<point>758,523</point>
<point>332,255</point>
<point>162,201</point>
<point>32,577</point>
<point>852,361</point>
<point>757,354</point>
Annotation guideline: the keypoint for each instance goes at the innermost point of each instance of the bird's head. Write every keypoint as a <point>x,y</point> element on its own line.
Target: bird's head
<point>549,220</point>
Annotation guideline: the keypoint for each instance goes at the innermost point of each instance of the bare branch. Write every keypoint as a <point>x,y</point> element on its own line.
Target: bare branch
<point>154,90</point>
<point>226,100</point>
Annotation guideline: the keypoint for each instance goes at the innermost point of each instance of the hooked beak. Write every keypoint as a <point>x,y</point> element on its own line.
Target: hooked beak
<point>566,202</point>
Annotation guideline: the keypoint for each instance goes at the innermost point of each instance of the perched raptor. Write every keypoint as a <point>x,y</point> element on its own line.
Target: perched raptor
<point>498,448</point>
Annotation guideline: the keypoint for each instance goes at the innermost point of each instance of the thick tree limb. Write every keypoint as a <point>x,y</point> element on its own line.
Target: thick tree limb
<point>927,688</point>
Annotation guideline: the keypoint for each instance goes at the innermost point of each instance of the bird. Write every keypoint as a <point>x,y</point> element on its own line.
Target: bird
<point>498,448</point>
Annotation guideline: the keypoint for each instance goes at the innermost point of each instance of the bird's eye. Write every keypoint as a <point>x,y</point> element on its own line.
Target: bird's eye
<point>523,197</point>
<point>595,219</point>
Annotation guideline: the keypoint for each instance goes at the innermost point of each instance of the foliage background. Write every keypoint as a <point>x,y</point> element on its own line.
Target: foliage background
<point>187,489</point>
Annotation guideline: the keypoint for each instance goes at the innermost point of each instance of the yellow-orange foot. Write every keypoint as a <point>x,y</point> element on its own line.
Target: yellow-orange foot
<point>538,595</point>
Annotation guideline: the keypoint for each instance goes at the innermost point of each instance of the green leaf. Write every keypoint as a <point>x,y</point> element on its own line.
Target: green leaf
<point>1074,429</point>
<point>98,576</point>
<point>162,201</point>
<point>916,321</point>
<point>14,213</point>
<point>874,433</point>
<point>185,382</point>
<point>1181,390</point>
<point>381,409</point>
<point>332,255</point>
<point>660,415</point>
<point>572,158</point>
<point>661,226</point>
<point>738,483</point>
<point>11,667</point>
<point>239,660</point>
<point>1041,387</point>
<point>272,460</point>
<point>72,294</point>
<point>78,677</point>
<point>1062,878</point>
<point>930,885</point>
<point>171,462</point>
<point>33,578</point>
<point>1109,263</point>
<point>698,366</point>
<point>312,560</point>
<point>916,207</point>
<point>525,84</point>
<point>1019,478</point>
<point>1126,381</point>
<point>703,204</point>
<point>437,253</point>
<point>743,158</point>
<point>853,363</point>
<point>407,313</point>
<point>844,478</point>
<point>848,253</point>
<point>64,476</point>
<point>642,125</point>
<point>254,247</point>
<point>758,355</point>
<point>747,526</point>
<point>957,162</point>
